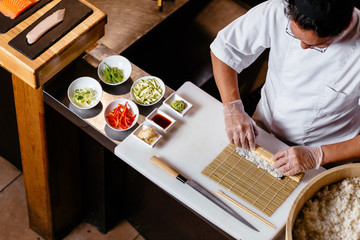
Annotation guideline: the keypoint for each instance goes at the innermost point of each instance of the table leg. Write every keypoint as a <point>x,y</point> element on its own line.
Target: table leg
<point>52,164</point>
<point>31,126</point>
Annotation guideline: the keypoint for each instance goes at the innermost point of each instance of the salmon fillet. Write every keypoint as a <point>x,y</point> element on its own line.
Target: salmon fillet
<point>45,25</point>
<point>13,8</point>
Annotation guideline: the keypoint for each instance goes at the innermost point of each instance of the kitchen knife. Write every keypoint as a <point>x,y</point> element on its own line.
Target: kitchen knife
<point>200,189</point>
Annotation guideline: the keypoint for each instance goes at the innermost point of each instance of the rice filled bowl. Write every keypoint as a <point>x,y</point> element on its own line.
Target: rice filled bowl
<point>328,207</point>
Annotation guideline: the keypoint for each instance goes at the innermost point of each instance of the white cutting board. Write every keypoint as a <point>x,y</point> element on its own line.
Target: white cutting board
<point>194,141</point>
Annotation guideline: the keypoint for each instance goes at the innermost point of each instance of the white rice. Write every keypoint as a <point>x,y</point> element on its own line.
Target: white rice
<point>260,163</point>
<point>333,213</point>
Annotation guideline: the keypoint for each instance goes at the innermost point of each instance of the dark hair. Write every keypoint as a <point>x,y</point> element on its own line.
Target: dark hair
<point>339,14</point>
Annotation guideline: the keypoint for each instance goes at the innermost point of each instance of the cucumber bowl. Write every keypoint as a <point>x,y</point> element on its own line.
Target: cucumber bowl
<point>147,90</point>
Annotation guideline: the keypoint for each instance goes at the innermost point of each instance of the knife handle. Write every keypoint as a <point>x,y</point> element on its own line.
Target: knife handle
<point>164,166</point>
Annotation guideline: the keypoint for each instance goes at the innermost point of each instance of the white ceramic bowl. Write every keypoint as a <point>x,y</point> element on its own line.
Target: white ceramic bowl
<point>144,126</point>
<point>328,177</point>
<point>118,61</point>
<point>158,80</point>
<point>174,97</point>
<point>115,103</point>
<point>157,123</point>
<point>82,83</point>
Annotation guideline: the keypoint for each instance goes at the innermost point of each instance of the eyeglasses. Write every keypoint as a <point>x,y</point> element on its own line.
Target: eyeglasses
<point>289,32</point>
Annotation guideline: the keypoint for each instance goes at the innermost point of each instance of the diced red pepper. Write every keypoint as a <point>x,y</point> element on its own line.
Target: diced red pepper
<point>121,117</point>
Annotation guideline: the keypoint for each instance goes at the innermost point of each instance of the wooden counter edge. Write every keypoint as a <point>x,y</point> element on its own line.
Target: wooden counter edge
<point>38,71</point>
<point>69,54</point>
<point>76,47</point>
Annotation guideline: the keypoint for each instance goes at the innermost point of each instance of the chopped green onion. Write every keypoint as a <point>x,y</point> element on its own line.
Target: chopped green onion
<point>113,74</point>
<point>84,97</point>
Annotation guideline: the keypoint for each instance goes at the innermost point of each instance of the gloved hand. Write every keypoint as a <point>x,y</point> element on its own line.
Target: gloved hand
<point>297,159</point>
<point>240,127</point>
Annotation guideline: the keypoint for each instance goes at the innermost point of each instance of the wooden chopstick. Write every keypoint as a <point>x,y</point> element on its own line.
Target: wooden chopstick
<point>220,193</point>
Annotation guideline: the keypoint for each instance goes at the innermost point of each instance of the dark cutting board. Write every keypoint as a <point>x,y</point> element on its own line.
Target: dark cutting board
<point>75,13</point>
<point>7,23</point>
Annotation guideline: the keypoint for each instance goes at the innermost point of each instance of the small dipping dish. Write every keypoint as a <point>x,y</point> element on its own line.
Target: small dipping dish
<point>161,120</point>
<point>175,97</point>
<point>143,127</point>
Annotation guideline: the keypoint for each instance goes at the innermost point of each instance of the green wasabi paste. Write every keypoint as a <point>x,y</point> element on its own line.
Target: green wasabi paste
<point>178,105</point>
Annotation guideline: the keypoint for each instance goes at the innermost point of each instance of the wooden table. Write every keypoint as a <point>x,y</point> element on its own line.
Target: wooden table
<point>51,182</point>
<point>92,122</point>
<point>28,78</point>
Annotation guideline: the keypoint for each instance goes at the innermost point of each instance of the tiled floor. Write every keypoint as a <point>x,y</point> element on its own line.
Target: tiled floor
<point>14,223</point>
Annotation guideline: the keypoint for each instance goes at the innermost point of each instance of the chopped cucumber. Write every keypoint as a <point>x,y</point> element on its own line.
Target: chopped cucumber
<point>147,91</point>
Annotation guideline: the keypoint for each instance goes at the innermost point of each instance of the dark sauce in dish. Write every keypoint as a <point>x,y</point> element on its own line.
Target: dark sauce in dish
<point>161,120</point>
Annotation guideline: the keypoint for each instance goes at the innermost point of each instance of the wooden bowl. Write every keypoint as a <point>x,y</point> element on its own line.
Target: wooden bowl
<point>325,178</point>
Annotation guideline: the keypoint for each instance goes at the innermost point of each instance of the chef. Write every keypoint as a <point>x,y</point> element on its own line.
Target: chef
<point>310,98</point>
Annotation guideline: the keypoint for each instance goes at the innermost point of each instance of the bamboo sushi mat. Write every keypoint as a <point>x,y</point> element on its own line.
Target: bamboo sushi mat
<point>252,184</point>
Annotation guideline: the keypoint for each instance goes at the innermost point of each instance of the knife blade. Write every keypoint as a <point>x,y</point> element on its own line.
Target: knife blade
<point>158,162</point>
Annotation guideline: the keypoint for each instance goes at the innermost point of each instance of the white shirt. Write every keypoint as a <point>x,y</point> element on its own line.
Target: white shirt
<point>309,98</point>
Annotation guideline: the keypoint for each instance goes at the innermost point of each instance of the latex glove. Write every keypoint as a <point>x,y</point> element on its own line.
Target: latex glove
<point>240,127</point>
<point>297,159</point>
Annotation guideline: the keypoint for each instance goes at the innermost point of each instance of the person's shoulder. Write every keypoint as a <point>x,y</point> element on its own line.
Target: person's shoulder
<point>356,12</point>
<point>271,7</point>
<point>274,4</point>
<point>277,5</point>
<point>270,10</point>
<point>355,23</point>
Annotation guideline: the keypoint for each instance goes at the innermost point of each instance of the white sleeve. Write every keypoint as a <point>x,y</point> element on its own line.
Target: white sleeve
<point>242,41</point>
